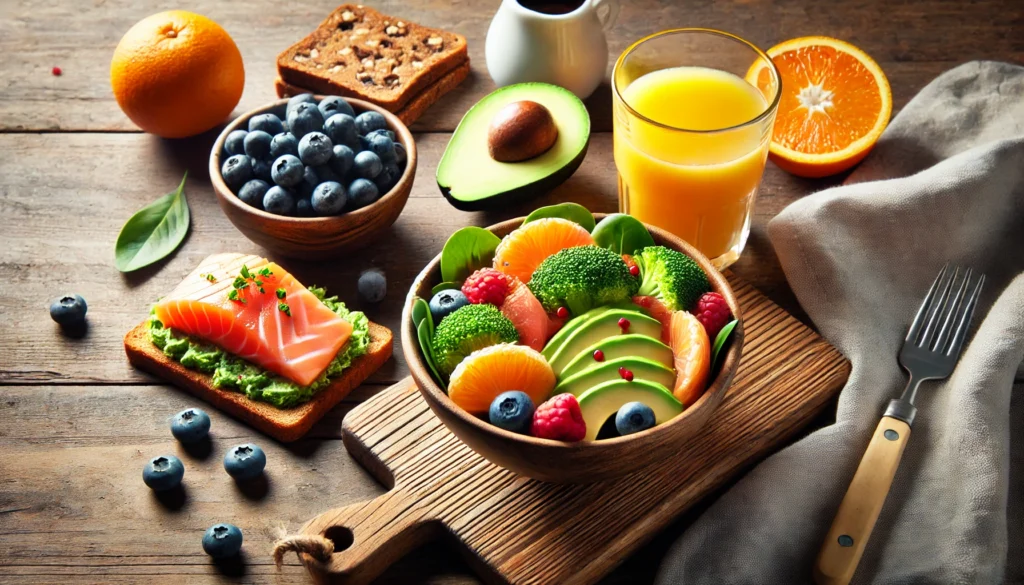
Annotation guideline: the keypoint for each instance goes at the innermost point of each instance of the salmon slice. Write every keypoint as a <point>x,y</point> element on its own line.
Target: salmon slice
<point>298,347</point>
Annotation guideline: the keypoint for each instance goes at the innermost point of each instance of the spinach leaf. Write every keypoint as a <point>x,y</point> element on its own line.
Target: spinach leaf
<point>570,211</point>
<point>424,323</point>
<point>445,286</point>
<point>720,340</point>
<point>153,232</point>
<point>420,311</point>
<point>465,251</point>
<point>622,234</point>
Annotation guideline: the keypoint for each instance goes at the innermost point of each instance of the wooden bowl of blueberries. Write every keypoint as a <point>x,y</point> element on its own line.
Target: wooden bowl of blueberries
<point>313,176</point>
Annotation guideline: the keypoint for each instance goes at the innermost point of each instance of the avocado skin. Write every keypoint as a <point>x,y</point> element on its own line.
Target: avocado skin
<point>525,193</point>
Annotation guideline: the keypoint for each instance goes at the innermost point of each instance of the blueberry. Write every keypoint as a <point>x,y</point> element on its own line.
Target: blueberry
<point>326,173</point>
<point>369,121</point>
<point>268,123</point>
<point>342,160</point>
<point>383,132</point>
<point>445,302</point>
<point>512,411</point>
<point>287,171</point>
<point>236,171</point>
<point>68,310</point>
<point>367,164</point>
<point>257,144</point>
<point>634,417</point>
<point>329,198</point>
<point>222,541</point>
<point>382,146</point>
<point>362,193</point>
<point>282,144</point>
<point>261,170</point>
<point>279,201</point>
<point>310,179</point>
<point>364,144</point>
<point>252,192</point>
<point>245,461</point>
<point>388,177</point>
<point>315,148</point>
<point>372,286</point>
<point>190,425</point>
<point>302,98</point>
<point>163,473</point>
<point>341,129</point>
<point>333,104</point>
<point>400,154</point>
<point>304,207</point>
<point>235,142</point>
<point>305,118</point>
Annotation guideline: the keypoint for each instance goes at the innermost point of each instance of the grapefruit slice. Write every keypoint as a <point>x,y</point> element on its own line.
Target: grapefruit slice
<point>522,251</point>
<point>657,309</point>
<point>692,350</point>
<point>488,372</point>
<point>526,313</point>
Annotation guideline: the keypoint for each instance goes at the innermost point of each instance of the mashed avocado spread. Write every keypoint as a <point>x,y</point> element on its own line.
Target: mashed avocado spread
<point>234,373</point>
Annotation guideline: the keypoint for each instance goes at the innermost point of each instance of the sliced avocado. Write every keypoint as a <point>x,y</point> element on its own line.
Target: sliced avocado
<point>604,400</point>
<point>471,180</point>
<point>642,368</point>
<point>601,327</point>
<point>632,345</point>
<point>568,329</point>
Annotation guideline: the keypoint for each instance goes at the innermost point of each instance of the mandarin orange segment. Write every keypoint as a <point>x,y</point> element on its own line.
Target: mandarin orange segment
<point>488,372</point>
<point>692,350</point>
<point>522,251</point>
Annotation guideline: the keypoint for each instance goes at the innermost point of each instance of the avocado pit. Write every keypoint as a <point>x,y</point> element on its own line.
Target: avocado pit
<point>520,131</point>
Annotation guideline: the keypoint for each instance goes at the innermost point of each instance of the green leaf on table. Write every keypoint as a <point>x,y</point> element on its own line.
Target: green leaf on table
<point>571,211</point>
<point>445,286</point>
<point>153,232</point>
<point>622,234</point>
<point>720,340</point>
<point>466,251</point>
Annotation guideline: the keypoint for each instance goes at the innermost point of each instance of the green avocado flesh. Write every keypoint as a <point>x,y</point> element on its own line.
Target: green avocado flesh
<point>604,400</point>
<point>620,346</point>
<point>472,180</point>
<point>233,373</point>
<point>575,323</point>
<point>597,329</point>
<point>607,371</point>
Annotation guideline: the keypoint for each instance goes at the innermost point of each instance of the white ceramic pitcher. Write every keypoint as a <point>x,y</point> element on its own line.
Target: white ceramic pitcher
<point>564,49</point>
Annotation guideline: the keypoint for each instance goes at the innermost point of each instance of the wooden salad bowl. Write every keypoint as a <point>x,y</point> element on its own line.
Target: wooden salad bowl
<point>582,462</point>
<point>314,237</point>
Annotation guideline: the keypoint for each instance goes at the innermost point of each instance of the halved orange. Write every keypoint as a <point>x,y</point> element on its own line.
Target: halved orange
<point>692,350</point>
<point>522,251</point>
<point>488,372</point>
<point>835,104</point>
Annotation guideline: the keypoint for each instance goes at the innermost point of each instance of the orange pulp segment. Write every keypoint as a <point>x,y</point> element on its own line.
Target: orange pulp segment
<point>692,350</point>
<point>488,372</point>
<point>522,251</point>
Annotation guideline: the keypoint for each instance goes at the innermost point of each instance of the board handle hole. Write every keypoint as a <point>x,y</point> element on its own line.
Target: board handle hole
<point>341,537</point>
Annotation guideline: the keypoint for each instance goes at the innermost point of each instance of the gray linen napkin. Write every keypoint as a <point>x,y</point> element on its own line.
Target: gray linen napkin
<point>946,181</point>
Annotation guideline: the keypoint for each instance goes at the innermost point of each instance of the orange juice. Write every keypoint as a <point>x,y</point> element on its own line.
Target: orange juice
<point>690,162</point>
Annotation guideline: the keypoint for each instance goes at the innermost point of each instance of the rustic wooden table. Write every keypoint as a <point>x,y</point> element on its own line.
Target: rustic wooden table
<point>77,423</point>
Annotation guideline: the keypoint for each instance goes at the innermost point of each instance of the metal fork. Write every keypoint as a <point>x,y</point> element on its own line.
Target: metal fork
<point>930,352</point>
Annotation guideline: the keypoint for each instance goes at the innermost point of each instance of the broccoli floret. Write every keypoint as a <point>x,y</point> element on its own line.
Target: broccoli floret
<point>582,278</point>
<point>672,277</point>
<point>468,329</point>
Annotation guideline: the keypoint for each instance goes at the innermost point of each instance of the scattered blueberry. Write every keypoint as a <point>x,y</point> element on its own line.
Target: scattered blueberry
<point>400,154</point>
<point>163,473</point>
<point>341,129</point>
<point>382,146</point>
<point>445,302</point>
<point>236,171</point>
<point>362,193</point>
<point>257,144</point>
<point>372,286</point>
<point>315,148</point>
<point>268,123</point>
<point>329,198</point>
<point>367,165</point>
<point>310,179</point>
<point>369,121</point>
<point>245,461</point>
<point>68,310</point>
<point>304,207</point>
<point>512,411</point>
<point>190,425</point>
<point>261,170</point>
<point>335,105</point>
<point>302,98</point>
<point>342,160</point>
<point>305,118</point>
<point>282,144</point>
<point>278,200</point>
<point>634,417</point>
<point>287,171</point>
<point>235,142</point>
<point>222,541</point>
<point>252,192</point>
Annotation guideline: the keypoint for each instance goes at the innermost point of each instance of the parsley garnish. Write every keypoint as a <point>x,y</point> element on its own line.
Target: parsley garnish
<point>209,277</point>
<point>280,293</point>
<point>233,296</point>
<point>284,308</point>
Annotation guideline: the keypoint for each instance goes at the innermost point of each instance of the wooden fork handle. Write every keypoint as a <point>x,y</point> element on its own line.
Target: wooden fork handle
<point>862,503</point>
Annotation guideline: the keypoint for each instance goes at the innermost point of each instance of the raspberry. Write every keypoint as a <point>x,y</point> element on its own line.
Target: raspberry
<point>713,313</point>
<point>487,285</point>
<point>560,419</point>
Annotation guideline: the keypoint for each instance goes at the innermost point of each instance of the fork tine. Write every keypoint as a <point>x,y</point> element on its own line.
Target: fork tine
<point>965,320</point>
<point>919,319</point>
<point>952,313</point>
<point>930,329</point>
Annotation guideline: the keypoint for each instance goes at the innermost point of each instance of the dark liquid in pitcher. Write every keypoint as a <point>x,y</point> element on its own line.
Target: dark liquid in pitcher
<point>551,6</point>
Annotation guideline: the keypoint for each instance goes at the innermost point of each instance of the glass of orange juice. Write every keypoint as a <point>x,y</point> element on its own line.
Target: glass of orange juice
<point>692,135</point>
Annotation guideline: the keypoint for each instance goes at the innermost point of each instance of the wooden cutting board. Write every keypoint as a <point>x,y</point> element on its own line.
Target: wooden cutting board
<point>517,530</point>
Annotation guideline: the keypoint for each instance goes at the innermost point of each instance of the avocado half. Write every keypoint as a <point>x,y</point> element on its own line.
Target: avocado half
<point>472,181</point>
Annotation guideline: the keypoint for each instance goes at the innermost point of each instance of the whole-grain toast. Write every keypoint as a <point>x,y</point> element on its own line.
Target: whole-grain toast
<point>284,424</point>
<point>359,52</point>
<point>415,107</point>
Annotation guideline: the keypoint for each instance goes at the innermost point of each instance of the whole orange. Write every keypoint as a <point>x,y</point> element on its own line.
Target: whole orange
<point>177,74</point>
